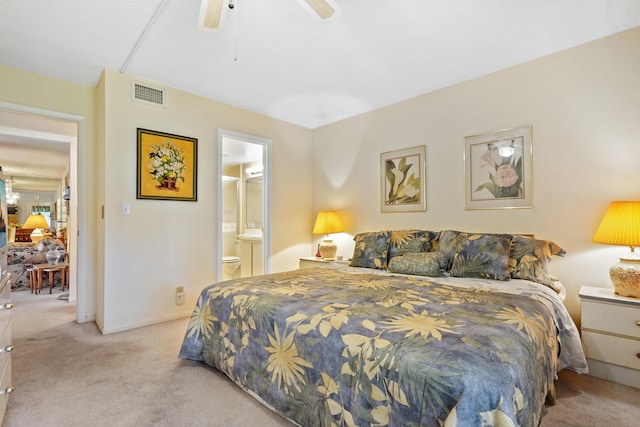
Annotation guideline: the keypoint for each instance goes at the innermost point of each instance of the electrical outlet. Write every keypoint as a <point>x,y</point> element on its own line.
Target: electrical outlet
<point>179,298</point>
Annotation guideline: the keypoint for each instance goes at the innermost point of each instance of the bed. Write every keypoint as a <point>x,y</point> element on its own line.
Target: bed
<point>385,344</point>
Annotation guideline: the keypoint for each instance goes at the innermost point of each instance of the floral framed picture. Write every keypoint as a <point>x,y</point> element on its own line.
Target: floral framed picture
<point>497,169</point>
<point>403,180</point>
<point>167,166</point>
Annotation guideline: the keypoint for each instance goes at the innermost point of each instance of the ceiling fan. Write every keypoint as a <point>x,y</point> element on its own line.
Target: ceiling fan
<point>212,12</point>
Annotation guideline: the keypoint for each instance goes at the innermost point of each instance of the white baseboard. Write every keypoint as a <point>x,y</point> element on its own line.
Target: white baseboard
<point>128,327</point>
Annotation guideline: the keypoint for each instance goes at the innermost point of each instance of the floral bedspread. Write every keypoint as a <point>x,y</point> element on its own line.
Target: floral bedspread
<point>328,346</point>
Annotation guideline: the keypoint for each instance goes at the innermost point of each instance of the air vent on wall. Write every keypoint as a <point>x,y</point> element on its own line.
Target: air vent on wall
<point>147,94</point>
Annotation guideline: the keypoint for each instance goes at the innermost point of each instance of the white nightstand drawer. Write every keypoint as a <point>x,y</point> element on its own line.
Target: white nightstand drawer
<point>612,318</point>
<point>5,347</point>
<point>612,349</point>
<point>5,389</point>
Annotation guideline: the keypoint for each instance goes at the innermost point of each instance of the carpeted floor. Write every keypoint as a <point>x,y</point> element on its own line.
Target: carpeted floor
<point>67,374</point>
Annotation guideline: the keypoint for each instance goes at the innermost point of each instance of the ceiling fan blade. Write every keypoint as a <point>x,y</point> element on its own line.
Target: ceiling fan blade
<point>212,14</point>
<point>321,7</point>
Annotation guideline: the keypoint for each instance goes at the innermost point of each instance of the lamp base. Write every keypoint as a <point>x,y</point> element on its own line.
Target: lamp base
<point>625,277</point>
<point>37,235</point>
<point>328,250</point>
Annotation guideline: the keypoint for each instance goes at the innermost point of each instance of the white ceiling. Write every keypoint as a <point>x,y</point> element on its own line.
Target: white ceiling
<point>275,58</point>
<point>35,150</point>
<point>236,152</point>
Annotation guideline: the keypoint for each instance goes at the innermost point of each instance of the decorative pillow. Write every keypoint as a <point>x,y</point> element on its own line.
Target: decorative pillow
<point>530,258</point>
<point>432,264</point>
<point>371,250</point>
<point>403,241</point>
<point>448,244</point>
<point>44,244</point>
<point>484,256</point>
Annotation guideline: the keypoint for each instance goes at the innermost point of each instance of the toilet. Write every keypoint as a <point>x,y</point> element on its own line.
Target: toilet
<point>230,267</point>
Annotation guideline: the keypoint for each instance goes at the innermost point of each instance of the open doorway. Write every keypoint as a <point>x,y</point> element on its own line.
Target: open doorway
<point>243,205</point>
<point>31,130</point>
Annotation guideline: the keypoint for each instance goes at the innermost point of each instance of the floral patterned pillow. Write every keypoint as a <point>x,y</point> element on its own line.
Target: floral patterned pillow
<point>530,258</point>
<point>432,264</point>
<point>371,250</point>
<point>448,244</point>
<point>404,241</point>
<point>483,256</point>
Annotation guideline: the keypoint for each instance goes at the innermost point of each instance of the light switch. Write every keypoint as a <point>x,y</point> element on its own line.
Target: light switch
<point>125,209</point>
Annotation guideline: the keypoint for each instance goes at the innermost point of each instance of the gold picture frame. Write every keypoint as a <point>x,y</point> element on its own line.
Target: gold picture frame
<point>167,166</point>
<point>403,180</point>
<point>498,169</point>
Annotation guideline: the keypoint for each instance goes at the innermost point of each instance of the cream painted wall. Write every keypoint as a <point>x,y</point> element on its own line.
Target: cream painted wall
<point>165,244</point>
<point>583,105</point>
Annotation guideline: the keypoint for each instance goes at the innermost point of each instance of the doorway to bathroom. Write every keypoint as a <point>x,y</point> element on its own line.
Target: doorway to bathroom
<point>244,205</point>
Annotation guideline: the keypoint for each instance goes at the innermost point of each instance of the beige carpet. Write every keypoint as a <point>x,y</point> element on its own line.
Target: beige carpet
<point>67,374</point>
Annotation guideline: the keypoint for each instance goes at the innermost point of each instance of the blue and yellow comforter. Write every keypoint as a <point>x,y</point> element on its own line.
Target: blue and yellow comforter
<point>345,347</point>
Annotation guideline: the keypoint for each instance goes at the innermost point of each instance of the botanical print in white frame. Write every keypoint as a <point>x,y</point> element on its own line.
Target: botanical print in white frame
<point>497,168</point>
<point>403,180</point>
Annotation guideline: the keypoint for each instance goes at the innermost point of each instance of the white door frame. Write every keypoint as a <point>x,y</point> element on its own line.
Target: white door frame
<point>76,228</point>
<point>266,198</point>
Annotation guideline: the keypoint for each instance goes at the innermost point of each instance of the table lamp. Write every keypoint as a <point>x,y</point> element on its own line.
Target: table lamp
<point>37,222</point>
<point>327,222</point>
<point>621,226</point>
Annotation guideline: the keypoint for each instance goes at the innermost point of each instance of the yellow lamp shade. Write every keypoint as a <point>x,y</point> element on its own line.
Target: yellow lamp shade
<point>620,225</point>
<point>35,221</point>
<point>327,222</point>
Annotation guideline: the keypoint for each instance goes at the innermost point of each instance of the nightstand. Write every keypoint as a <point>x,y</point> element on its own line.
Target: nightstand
<point>310,262</point>
<point>611,335</point>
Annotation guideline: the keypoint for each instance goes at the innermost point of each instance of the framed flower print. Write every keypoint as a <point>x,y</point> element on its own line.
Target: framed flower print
<point>403,180</point>
<point>497,169</point>
<point>167,166</point>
